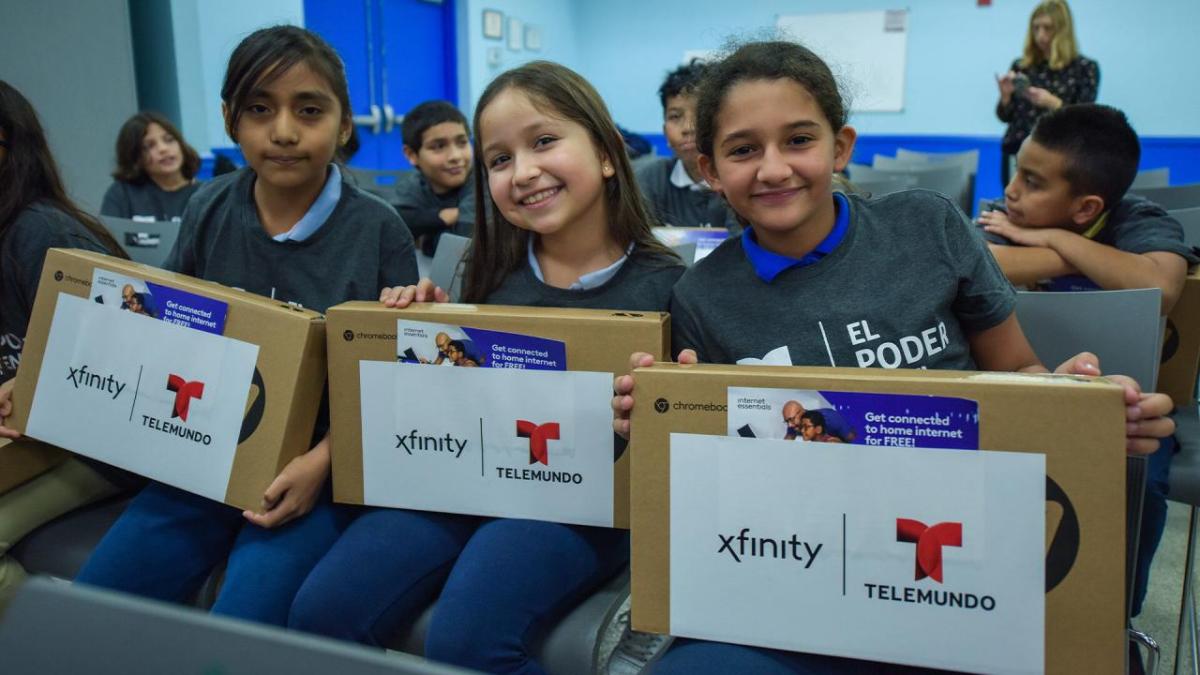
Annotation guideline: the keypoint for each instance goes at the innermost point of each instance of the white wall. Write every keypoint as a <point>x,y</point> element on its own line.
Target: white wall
<point>1147,53</point>
<point>556,18</point>
<point>206,31</point>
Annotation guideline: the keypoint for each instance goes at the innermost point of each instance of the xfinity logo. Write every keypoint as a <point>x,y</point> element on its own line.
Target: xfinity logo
<point>929,541</point>
<point>415,441</point>
<point>742,545</point>
<point>184,393</point>
<point>81,377</point>
<point>538,435</point>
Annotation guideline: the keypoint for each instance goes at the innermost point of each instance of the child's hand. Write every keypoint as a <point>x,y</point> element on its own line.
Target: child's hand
<point>1042,98</point>
<point>997,222</point>
<point>6,408</point>
<point>403,296</point>
<point>449,216</point>
<point>622,402</point>
<point>1146,420</point>
<point>295,490</point>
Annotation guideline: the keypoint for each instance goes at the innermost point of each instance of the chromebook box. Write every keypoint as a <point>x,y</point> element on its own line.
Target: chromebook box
<point>484,409</point>
<point>955,520</point>
<point>184,381</point>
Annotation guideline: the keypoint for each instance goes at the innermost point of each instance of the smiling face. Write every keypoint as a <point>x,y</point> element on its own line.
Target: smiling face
<point>544,172</point>
<point>774,155</point>
<point>289,129</point>
<point>444,157</point>
<point>161,157</point>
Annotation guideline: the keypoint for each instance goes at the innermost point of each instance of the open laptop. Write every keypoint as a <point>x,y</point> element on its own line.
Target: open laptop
<point>147,242</point>
<point>54,628</point>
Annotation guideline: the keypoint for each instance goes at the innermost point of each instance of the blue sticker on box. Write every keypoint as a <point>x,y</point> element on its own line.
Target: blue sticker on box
<point>448,345</point>
<point>159,302</point>
<point>888,420</point>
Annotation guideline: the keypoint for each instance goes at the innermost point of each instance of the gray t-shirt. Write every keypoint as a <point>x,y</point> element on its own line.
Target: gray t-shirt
<point>146,200</point>
<point>642,284</point>
<point>681,206</point>
<point>1136,225</point>
<point>419,205</point>
<point>909,282</point>
<point>22,252</point>
<point>362,247</point>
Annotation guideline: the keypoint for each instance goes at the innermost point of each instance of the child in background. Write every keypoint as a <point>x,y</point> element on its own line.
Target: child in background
<point>1067,220</point>
<point>36,215</point>
<point>272,228</point>
<point>439,195</point>
<point>566,228</point>
<point>677,193</point>
<point>1068,213</point>
<point>156,171</point>
<point>772,132</point>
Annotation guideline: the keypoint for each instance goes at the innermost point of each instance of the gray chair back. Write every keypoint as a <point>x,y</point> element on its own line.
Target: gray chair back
<point>1122,328</point>
<point>1174,197</point>
<point>446,269</point>
<point>968,159</point>
<point>885,185</point>
<point>146,242</point>
<point>1152,178</point>
<point>1190,220</point>
<point>952,180</point>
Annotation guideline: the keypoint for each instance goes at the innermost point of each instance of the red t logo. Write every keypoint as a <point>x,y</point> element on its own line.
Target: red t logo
<point>184,393</point>
<point>538,434</point>
<point>929,541</point>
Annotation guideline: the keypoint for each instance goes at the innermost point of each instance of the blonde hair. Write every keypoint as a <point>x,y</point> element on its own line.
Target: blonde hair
<point>1063,47</point>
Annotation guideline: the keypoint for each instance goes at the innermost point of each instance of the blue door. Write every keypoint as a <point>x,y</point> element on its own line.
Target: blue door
<point>397,54</point>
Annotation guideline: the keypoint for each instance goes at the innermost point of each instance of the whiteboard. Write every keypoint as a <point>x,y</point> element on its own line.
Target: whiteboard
<point>866,50</point>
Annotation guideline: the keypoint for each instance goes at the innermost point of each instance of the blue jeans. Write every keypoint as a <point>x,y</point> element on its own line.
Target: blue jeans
<point>513,577</point>
<point>168,541</point>
<point>701,657</point>
<point>386,567</point>
<point>1154,516</point>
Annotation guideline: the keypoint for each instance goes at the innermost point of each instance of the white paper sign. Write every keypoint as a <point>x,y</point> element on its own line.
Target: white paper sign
<point>924,557</point>
<point>151,397</point>
<point>496,442</point>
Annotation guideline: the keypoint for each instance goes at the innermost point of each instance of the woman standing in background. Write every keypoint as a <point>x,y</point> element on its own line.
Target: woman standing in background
<point>1051,73</point>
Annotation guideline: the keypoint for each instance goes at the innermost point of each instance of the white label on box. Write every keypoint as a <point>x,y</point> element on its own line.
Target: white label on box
<point>495,442</point>
<point>923,557</point>
<point>148,396</point>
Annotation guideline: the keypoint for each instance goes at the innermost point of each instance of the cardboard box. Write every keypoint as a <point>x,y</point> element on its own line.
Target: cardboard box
<point>1181,345</point>
<point>25,459</point>
<point>279,347</point>
<point>594,341</point>
<point>1077,424</point>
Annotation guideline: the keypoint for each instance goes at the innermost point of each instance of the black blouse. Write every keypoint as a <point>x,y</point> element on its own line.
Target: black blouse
<point>1076,83</point>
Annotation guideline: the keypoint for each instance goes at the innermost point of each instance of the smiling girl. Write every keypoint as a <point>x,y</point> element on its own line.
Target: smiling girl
<point>567,228</point>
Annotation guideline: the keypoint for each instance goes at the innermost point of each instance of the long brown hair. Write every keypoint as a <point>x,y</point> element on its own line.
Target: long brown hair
<point>499,247</point>
<point>129,148</point>
<point>1063,47</point>
<point>29,174</point>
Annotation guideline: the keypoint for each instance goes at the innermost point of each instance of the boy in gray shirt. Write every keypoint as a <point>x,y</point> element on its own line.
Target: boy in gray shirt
<point>673,188</point>
<point>439,196</point>
<point>1067,212</point>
